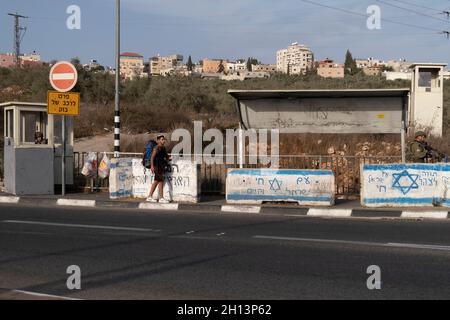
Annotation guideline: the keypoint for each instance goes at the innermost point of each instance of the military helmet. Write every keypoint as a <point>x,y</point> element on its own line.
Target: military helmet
<point>420,133</point>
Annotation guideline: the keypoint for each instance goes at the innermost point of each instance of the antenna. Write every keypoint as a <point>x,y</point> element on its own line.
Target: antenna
<point>19,33</point>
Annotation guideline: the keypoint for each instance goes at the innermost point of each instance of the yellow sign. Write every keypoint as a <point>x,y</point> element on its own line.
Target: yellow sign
<point>380,116</point>
<point>63,103</point>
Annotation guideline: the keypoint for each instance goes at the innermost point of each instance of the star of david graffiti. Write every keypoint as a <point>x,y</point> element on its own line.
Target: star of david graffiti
<point>275,185</point>
<point>408,184</point>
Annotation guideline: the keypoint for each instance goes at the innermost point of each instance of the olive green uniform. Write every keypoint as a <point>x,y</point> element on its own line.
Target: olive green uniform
<point>418,151</point>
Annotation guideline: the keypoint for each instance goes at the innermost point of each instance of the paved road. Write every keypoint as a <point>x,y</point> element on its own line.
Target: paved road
<point>126,254</point>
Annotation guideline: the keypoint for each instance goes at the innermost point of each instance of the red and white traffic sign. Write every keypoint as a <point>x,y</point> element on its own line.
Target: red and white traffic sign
<point>63,76</point>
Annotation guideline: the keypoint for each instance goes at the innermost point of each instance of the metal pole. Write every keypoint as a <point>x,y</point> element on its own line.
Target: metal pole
<point>403,136</point>
<point>63,158</point>
<point>117,97</point>
<point>241,147</point>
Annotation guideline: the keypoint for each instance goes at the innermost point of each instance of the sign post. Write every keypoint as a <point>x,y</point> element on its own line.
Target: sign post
<point>63,78</point>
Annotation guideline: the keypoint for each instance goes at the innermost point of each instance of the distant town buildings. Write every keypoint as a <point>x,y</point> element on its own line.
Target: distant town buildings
<point>328,69</point>
<point>446,74</point>
<point>26,60</point>
<point>269,68</point>
<point>295,59</point>
<point>212,66</point>
<point>132,66</point>
<point>235,67</point>
<point>392,75</point>
<point>165,65</point>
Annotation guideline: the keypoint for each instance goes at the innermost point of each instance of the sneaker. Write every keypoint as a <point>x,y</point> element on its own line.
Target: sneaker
<point>162,200</point>
<point>151,199</point>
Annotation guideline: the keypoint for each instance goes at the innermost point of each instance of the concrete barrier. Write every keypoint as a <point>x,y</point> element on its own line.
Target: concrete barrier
<point>405,185</point>
<point>129,178</point>
<point>255,186</point>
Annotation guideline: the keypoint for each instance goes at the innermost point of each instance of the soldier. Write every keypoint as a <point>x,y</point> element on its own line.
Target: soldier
<point>421,152</point>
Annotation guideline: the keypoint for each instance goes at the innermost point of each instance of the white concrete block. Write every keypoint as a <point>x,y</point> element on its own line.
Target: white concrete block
<point>255,186</point>
<point>405,185</point>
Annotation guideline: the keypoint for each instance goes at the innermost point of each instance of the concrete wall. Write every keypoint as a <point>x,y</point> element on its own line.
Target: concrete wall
<point>29,171</point>
<point>128,178</point>
<point>254,186</point>
<point>405,185</point>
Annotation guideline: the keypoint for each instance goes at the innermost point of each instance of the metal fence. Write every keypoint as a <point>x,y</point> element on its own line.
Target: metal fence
<point>213,176</point>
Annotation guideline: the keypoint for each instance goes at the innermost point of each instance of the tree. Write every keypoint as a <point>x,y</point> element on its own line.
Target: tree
<point>250,62</point>
<point>221,67</point>
<point>350,64</point>
<point>190,65</point>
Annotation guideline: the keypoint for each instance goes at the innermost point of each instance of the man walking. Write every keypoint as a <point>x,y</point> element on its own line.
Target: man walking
<point>159,161</point>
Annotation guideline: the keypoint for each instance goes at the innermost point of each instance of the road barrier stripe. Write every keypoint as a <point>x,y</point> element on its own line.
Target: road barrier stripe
<point>337,213</point>
<point>75,203</point>
<point>158,206</point>
<point>4,199</point>
<point>425,214</point>
<point>241,209</point>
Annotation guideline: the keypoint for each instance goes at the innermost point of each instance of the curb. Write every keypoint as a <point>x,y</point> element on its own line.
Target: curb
<point>234,209</point>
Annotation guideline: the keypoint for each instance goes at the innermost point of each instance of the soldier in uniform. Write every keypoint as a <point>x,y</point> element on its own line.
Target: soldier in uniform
<point>421,152</point>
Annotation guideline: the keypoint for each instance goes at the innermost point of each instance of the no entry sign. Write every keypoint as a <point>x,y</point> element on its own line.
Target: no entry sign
<point>63,76</point>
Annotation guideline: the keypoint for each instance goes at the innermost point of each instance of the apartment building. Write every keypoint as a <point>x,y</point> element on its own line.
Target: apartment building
<point>165,65</point>
<point>295,59</point>
<point>213,66</point>
<point>132,66</point>
<point>7,60</point>
<point>328,69</point>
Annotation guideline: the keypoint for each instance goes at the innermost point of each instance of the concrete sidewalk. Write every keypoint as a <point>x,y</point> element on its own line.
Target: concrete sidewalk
<point>217,204</point>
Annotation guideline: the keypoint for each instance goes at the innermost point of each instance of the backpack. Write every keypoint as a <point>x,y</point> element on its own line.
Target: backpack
<point>146,160</point>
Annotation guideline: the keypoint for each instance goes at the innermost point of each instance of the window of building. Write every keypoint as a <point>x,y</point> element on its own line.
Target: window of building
<point>429,79</point>
<point>32,123</point>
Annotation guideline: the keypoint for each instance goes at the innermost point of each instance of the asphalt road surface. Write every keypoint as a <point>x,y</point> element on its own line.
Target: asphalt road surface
<point>129,254</point>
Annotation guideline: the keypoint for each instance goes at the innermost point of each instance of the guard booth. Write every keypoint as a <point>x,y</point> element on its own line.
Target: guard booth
<point>33,149</point>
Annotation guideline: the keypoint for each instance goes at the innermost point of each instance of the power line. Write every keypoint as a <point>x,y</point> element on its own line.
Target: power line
<point>413,11</point>
<point>446,12</point>
<point>367,16</point>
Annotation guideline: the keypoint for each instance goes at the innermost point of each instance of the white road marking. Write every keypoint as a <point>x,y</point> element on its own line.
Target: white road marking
<point>337,213</point>
<point>63,76</point>
<point>36,294</point>
<point>220,234</point>
<point>378,244</point>
<point>75,203</point>
<point>243,209</point>
<point>425,214</point>
<point>79,226</point>
<point>4,199</point>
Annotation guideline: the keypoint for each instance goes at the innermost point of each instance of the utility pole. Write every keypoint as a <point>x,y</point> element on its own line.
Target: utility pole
<point>117,96</point>
<point>18,36</point>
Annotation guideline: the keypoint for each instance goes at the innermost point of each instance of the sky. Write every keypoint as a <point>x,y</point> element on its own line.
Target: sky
<point>230,29</point>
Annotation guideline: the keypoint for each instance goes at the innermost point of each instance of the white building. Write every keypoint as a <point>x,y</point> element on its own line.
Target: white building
<point>235,67</point>
<point>446,74</point>
<point>296,59</point>
<point>392,75</point>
